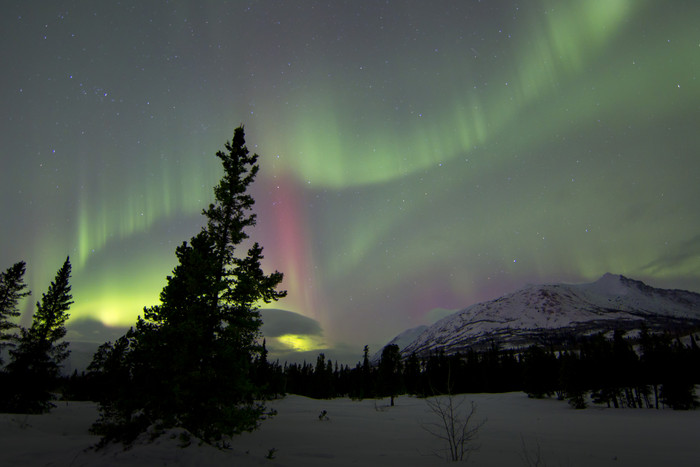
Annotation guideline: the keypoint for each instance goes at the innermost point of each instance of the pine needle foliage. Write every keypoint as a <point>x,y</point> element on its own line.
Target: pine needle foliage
<point>37,359</point>
<point>12,290</point>
<point>189,358</point>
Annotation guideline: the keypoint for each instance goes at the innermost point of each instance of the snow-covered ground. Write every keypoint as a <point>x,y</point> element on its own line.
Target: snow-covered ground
<point>369,433</point>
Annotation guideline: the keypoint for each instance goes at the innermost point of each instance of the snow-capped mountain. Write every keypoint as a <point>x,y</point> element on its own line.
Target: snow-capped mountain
<point>555,313</point>
<point>402,340</point>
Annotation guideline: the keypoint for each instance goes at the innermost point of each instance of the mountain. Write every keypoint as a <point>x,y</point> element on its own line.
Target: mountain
<point>553,314</point>
<point>402,340</point>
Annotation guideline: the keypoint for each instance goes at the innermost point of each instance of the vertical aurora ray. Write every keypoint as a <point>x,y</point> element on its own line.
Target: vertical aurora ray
<point>118,213</point>
<point>289,240</point>
<point>413,156</point>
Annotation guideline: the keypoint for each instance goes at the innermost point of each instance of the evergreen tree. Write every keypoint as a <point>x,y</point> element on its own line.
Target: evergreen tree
<point>366,386</point>
<point>606,380</point>
<point>365,359</point>
<point>264,375</point>
<point>323,379</point>
<point>390,372</point>
<point>678,388</point>
<point>37,360</point>
<point>107,371</point>
<point>572,380</point>
<point>412,375</point>
<point>192,355</point>
<point>12,290</point>
<point>656,354</point>
<point>539,372</point>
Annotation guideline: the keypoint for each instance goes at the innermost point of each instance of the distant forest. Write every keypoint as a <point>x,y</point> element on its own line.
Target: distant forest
<point>653,371</point>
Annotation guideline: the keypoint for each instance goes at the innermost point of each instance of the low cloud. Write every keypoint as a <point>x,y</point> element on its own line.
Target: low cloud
<point>278,323</point>
<point>685,258</point>
<point>290,337</point>
<point>93,331</point>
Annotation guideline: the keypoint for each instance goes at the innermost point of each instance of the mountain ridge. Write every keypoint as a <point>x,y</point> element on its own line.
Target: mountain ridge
<point>555,313</point>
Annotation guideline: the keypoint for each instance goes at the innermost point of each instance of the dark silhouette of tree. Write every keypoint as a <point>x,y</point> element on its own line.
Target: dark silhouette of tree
<point>36,362</point>
<point>390,369</point>
<point>625,373</point>
<point>323,387</point>
<point>573,380</point>
<point>413,376</point>
<point>540,370</point>
<point>267,377</point>
<point>366,384</point>
<point>12,290</point>
<point>678,387</point>
<point>107,371</point>
<point>191,357</point>
<point>605,380</point>
<point>595,368</point>
<point>656,352</point>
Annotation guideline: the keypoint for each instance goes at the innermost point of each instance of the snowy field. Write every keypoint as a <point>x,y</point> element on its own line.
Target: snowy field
<point>370,433</point>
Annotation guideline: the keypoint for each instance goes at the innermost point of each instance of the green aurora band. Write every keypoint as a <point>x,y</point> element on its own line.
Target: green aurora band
<point>421,157</point>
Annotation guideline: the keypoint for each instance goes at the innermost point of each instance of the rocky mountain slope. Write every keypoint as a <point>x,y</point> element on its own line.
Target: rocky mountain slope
<point>555,313</point>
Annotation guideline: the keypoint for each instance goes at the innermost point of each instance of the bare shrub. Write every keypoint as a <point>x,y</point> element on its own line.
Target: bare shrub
<point>457,425</point>
<point>531,457</point>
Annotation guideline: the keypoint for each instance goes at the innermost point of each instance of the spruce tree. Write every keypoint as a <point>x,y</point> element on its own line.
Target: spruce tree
<point>37,360</point>
<point>572,379</point>
<point>539,372</point>
<point>12,290</point>
<point>678,388</point>
<point>366,380</point>
<point>192,354</point>
<point>390,372</point>
<point>412,375</point>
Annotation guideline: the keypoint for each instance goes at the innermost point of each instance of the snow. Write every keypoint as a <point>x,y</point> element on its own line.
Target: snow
<point>516,318</point>
<point>369,432</point>
<point>402,340</point>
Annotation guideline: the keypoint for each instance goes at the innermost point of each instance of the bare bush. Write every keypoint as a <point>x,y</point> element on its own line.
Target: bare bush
<point>457,425</point>
<point>531,457</point>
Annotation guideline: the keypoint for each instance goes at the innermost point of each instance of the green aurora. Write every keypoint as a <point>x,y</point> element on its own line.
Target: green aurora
<point>415,155</point>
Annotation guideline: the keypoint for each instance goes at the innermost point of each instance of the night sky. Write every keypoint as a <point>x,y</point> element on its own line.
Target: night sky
<point>416,157</point>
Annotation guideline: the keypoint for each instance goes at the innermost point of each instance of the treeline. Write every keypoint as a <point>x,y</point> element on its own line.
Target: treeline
<point>652,371</point>
<point>492,371</point>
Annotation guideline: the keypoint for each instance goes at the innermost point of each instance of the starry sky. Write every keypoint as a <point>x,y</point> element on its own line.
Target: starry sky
<point>416,157</point>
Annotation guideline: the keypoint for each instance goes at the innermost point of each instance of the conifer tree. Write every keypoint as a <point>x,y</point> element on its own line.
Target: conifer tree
<point>366,381</point>
<point>390,371</point>
<point>37,360</point>
<point>678,388</point>
<point>322,378</point>
<point>12,290</point>
<point>539,372</point>
<point>412,375</point>
<point>572,380</point>
<point>192,354</point>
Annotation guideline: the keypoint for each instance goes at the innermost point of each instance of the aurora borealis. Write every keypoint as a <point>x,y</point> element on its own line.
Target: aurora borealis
<point>415,156</point>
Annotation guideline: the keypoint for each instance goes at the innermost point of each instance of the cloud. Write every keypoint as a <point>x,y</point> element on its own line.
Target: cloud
<point>85,336</point>
<point>293,337</point>
<point>92,330</point>
<point>289,337</point>
<point>277,323</point>
<point>685,258</point>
